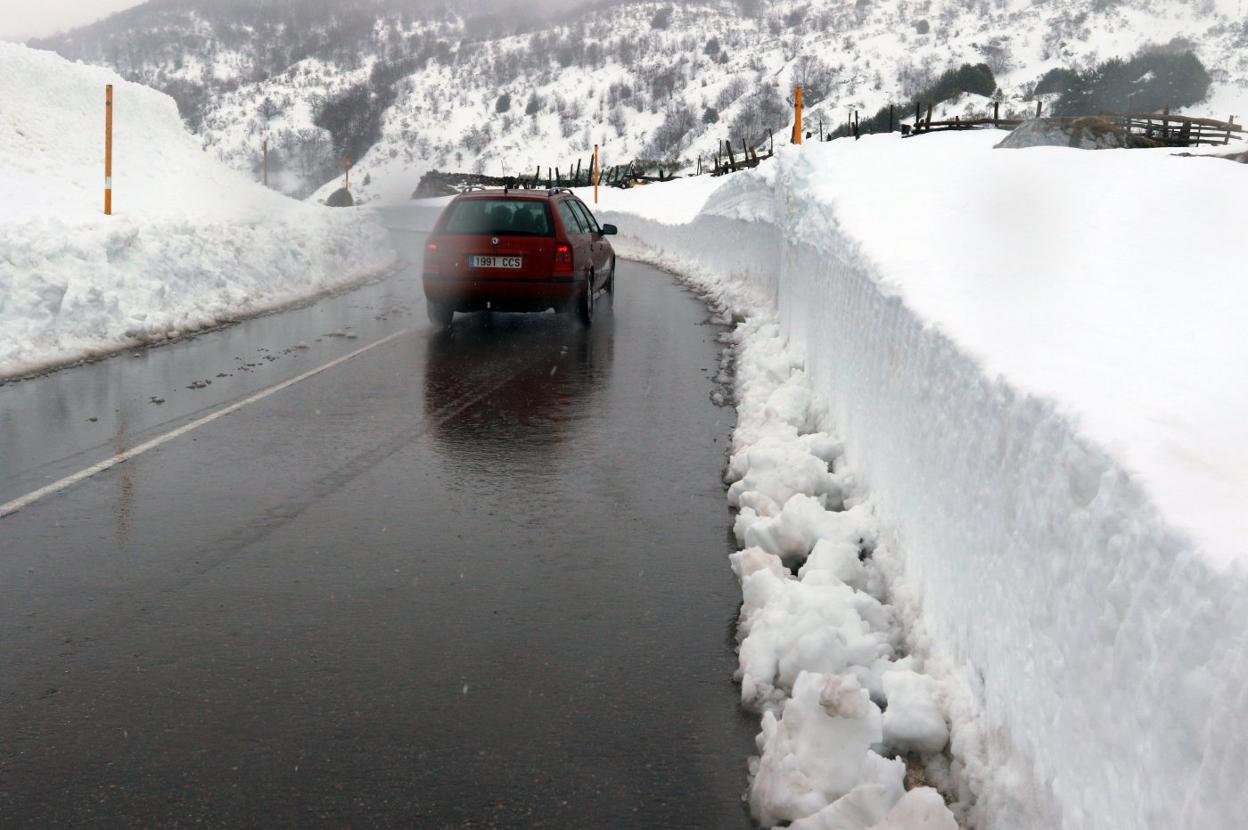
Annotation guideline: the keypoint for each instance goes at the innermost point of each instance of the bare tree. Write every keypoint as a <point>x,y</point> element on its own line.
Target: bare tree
<point>814,76</point>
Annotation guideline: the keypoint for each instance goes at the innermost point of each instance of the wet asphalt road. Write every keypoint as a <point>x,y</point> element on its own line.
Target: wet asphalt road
<point>475,580</point>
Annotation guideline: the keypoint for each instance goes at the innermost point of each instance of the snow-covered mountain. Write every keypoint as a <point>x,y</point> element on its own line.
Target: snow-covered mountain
<point>401,91</point>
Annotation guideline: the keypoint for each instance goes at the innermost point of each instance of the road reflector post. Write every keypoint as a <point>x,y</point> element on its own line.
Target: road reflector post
<point>797,115</point>
<point>108,149</point>
<point>595,174</point>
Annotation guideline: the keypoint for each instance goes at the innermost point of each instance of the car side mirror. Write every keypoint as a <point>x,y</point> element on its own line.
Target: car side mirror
<point>610,230</point>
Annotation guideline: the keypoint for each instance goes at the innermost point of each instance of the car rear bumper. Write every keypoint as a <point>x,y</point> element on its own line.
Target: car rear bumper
<point>502,293</point>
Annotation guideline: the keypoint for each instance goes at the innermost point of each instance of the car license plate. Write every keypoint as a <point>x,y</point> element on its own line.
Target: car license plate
<point>494,261</point>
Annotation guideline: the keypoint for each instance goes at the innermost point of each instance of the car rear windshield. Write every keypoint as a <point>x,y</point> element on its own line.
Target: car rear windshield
<point>499,217</point>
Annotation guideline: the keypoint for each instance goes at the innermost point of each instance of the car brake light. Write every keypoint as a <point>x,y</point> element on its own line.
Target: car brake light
<point>563,259</point>
<point>432,260</point>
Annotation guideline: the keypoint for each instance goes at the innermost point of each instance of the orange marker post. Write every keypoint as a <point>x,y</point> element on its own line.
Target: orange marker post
<point>595,174</point>
<point>108,150</point>
<point>346,172</point>
<point>797,115</point>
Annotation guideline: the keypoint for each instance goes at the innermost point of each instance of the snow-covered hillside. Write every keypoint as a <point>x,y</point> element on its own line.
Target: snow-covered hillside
<point>644,80</point>
<point>191,243</point>
<point>636,78</point>
<point>1037,390</point>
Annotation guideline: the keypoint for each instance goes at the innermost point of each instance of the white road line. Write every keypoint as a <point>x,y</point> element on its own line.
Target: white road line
<point>17,504</point>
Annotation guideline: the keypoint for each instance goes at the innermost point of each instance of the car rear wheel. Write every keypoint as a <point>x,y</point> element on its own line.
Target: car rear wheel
<point>585,307</point>
<point>611,279</point>
<point>440,315</point>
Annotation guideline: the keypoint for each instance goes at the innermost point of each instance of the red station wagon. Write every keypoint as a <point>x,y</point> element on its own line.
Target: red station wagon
<point>517,250</point>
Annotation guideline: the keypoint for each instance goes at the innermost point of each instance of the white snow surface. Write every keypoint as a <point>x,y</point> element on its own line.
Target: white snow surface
<point>190,243</point>
<point>1024,373</point>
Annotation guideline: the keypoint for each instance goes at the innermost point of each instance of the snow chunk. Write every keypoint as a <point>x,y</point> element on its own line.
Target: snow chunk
<point>837,560</point>
<point>920,809</point>
<point>803,521</point>
<point>751,560</point>
<point>773,471</point>
<point>860,809</point>
<point>790,627</point>
<point>872,807</point>
<point>819,750</point>
<point>912,721</point>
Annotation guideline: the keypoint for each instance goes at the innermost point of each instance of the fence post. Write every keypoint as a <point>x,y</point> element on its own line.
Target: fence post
<point>108,150</point>
<point>264,162</point>
<point>890,118</point>
<point>1039,107</point>
<point>797,114</point>
<point>595,172</point>
<point>929,116</point>
<point>346,171</point>
<point>918,115</point>
<point>996,112</point>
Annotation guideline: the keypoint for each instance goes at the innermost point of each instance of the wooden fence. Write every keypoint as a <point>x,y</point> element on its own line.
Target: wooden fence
<point>728,162</point>
<point>1165,129</point>
<point>436,183</point>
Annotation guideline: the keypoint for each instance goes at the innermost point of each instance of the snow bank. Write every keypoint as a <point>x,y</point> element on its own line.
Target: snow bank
<point>818,652</point>
<point>191,243</point>
<point>1034,368</point>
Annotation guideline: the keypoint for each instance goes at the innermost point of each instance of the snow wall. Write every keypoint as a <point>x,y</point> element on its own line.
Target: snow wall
<point>190,244</point>
<point>1092,657</point>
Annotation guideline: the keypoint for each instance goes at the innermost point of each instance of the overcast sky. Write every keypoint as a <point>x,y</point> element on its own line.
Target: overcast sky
<point>35,18</point>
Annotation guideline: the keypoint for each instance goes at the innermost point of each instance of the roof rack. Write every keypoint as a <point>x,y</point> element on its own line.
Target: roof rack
<point>486,188</point>
<point>478,188</point>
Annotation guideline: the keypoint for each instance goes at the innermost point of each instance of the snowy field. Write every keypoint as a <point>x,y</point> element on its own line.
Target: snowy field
<point>1022,366</point>
<point>191,243</point>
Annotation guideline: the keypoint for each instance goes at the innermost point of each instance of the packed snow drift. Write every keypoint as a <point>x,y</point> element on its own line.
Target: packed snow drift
<point>191,242</point>
<point>1023,367</point>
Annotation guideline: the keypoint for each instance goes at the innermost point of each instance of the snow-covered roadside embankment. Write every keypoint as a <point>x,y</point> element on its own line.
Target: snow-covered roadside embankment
<point>191,243</point>
<point>1040,407</point>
